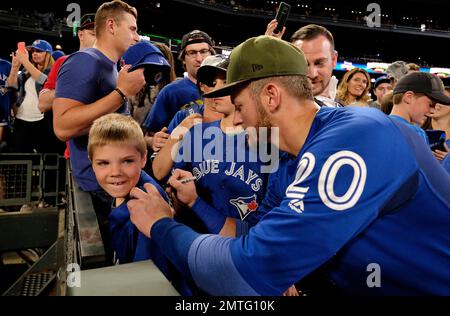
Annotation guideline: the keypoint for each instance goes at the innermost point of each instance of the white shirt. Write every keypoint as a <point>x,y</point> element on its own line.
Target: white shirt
<point>28,110</point>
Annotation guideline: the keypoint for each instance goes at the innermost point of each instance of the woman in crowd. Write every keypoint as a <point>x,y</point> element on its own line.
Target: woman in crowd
<point>354,88</point>
<point>30,129</point>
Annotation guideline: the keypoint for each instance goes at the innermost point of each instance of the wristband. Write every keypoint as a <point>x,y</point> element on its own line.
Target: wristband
<point>123,96</point>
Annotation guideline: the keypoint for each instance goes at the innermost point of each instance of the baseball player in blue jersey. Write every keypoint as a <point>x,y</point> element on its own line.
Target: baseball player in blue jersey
<point>368,198</point>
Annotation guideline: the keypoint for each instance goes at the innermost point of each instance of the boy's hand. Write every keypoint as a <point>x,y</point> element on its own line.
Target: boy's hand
<point>146,208</point>
<point>160,139</point>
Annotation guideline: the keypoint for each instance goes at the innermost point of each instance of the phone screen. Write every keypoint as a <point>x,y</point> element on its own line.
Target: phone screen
<point>21,47</point>
<point>282,14</point>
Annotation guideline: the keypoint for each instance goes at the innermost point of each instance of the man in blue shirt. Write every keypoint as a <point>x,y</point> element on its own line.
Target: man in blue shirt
<point>348,205</point>
<point>88,85</point>
<point>183,93</point>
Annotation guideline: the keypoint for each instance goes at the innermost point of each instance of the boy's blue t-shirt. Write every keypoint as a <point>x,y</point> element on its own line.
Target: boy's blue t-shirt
<point>175,96</point>
<point>5,94</point>
<point>130,245</point>
<point>86,76</point>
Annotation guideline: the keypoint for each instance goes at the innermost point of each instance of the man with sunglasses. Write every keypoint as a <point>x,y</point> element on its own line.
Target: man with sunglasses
<point>180,94</point>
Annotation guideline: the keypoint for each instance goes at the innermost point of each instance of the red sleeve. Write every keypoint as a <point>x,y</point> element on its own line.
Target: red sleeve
<point>51,79</point>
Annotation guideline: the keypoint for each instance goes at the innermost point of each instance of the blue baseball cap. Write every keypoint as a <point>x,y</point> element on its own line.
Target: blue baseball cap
<point>380,80</point>
<point>148,56</point>
<point>57,54</point>
<point>41,45</point>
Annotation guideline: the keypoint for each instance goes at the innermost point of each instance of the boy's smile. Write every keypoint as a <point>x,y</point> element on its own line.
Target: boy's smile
<point>117,168</point>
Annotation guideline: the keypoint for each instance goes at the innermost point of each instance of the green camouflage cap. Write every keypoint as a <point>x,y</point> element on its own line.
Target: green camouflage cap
<point>261,57</point>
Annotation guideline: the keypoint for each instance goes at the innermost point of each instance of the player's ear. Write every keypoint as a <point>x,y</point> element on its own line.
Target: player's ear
<point>273,95</point>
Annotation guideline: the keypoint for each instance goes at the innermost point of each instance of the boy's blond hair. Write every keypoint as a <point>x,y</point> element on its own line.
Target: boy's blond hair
<point>115,128</point>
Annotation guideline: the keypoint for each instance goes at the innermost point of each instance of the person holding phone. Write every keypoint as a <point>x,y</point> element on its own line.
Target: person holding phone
<point>317,43</point>
<point>29,125</point>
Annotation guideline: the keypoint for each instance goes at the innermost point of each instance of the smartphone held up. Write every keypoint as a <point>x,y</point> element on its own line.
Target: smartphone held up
<point>282,14</point>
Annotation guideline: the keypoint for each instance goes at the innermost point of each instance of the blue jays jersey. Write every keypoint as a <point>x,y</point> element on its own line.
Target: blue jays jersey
<point>367,197</point>
<point>229,174</point>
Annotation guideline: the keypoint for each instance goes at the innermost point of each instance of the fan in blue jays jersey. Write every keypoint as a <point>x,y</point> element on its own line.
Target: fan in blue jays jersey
<point>227,186</point>
<point>368,198</point>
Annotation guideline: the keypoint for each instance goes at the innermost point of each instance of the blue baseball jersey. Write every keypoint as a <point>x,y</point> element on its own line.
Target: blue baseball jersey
<point>5,94</point>
<point>175,96</point>
<point>229,174</point>
<point>86,76</point>
<point>197,107</point>
<point>367,197</point>
<point>130,245</point>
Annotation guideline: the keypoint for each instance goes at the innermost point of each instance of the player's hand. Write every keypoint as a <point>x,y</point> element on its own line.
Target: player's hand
<point>271,27</point>
<point>186,192</point>
<point>160,139</point>
<point>130,83</point>
<point>146,208</point>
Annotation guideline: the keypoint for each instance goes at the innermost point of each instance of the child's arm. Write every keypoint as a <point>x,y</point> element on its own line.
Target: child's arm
<point>163,162</point>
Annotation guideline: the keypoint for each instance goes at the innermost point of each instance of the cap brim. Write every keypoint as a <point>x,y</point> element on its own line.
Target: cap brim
<point>440,98</point>
<point>151,59</point>
<point>225,90</point>
<point>36,48</point>
<point>207,73</point>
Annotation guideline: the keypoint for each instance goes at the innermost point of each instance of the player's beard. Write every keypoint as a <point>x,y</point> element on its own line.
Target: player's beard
<point>262,121</point>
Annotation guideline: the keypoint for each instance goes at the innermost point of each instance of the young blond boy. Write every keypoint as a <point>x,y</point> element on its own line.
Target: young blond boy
<point>118,153</point>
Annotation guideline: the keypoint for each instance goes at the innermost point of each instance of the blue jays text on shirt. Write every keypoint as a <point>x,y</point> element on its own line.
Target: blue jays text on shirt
<point>212,166</point>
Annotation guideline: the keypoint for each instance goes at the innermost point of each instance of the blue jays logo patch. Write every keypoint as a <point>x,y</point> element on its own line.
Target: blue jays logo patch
<point>245,205</point>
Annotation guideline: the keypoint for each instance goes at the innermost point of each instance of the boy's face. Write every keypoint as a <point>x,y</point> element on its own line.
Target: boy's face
<point>117,168</point>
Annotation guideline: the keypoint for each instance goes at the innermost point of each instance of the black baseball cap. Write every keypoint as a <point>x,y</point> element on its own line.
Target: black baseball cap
<point>87,21</point>
<point>194,37</point>
<point>422,82</point>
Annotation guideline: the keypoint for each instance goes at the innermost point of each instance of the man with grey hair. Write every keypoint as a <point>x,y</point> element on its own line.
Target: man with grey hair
<point>396,71</point>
